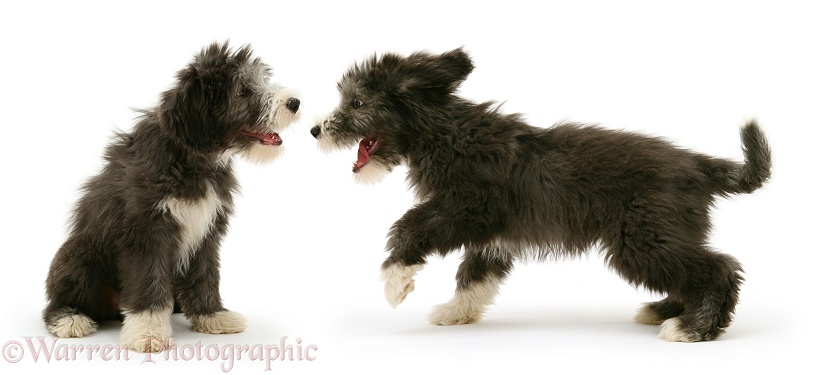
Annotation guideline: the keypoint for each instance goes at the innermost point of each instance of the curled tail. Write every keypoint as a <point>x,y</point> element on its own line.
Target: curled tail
<point>731,177</point>
<point>757,159</point>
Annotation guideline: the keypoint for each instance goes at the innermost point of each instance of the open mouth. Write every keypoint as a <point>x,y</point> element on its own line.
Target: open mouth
<point>366,148</point>
<point>267,139</point>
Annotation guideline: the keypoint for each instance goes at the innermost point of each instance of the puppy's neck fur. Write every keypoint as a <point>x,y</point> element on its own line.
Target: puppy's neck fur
<point>149,131</point>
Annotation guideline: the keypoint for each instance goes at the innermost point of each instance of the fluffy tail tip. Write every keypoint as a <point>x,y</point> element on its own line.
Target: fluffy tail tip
<point>757,158</point>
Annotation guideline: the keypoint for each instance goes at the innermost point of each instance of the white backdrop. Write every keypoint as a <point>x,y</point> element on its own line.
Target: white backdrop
<point>302,257</point>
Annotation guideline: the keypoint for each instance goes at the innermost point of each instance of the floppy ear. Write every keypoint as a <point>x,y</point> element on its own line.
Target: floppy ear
<point>186,112</point>
<point>436,74</point>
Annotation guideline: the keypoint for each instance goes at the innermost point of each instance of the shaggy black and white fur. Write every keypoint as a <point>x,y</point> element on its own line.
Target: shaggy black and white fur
<point>146,231</point>
<point>504,190</point>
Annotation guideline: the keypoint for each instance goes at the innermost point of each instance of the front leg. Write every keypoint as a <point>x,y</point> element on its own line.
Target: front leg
<point>145,271</point>
<point>198,289</point>
<point>399,281</point>
<point>478,282</point>
<point>433,226</point>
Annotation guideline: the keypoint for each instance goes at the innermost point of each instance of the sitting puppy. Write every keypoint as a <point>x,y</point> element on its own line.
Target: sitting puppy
<point>505,190</point>
<point>146,231</point>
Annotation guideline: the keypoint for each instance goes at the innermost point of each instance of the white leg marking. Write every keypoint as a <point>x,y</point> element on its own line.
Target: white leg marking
<point>671,331</point>
<point>646,315</point>
<point>468,305</point>
<point>220,322</point>
<point>399,282</point>
<point>147,331</point>
<point>74,325</point>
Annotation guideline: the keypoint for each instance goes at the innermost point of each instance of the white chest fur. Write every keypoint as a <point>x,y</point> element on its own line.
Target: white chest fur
<point>195,218</point>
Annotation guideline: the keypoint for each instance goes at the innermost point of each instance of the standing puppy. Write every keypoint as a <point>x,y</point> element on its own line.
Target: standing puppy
<point>146,231</point>
<point>505,190</point>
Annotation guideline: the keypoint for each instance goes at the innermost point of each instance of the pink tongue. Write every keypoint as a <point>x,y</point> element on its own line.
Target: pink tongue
<point>363,156</point>
<point>271,139</point>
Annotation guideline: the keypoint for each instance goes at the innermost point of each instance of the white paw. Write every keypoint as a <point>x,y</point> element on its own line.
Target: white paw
<point>147,331</point>
<point>451,313</point>
<point>671,331</point>
<point>149,344</point>
<point>399,282</point>
<point>468,304</point>
<point>220,322</point>
<point>74,325</point>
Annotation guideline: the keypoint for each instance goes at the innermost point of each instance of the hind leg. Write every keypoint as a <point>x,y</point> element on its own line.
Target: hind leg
<point>659,311</point>
<point>663,250</point>
<point>710,299</point>
<point>478,281</point>
<point>68,322</point>
<point>703,289</point>
<point>79,291</point>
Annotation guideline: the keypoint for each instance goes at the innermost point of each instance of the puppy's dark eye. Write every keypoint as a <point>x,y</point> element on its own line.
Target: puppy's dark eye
<point>357,103</point>
<point>244,91</point>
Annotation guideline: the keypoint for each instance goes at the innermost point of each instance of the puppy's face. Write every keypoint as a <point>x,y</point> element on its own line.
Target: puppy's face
<point>224,102</point>
<point>384,102</point>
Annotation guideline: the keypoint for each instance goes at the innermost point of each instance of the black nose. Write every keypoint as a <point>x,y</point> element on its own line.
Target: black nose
<point>293,104</point>
<point>315,131</point>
